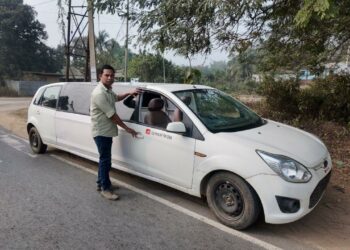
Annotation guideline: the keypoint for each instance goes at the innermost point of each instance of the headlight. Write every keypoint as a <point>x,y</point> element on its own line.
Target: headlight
<point>287,168</point>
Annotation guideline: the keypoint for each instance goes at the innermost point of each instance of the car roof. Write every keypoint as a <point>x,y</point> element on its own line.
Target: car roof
<point>172,87</point>
<point>169,87</point>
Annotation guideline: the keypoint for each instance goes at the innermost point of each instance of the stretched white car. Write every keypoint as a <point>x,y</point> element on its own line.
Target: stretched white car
<point>196,139</point>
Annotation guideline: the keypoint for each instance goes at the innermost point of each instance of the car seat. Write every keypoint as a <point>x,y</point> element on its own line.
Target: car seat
<point>156,116</point>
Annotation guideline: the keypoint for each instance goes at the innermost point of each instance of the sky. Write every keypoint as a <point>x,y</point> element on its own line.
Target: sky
<point>47,14</point>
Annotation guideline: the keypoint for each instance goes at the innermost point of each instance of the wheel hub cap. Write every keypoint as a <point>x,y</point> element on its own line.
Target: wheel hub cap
<point>34,140</point>
<point>229,199</point>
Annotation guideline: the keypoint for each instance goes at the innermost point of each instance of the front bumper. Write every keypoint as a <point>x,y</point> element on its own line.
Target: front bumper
<point>268,187</point>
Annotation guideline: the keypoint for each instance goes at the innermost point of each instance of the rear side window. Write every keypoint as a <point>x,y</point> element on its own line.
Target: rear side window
<point>38,96</point>
<point>75,98</point>
<point>50,96</point>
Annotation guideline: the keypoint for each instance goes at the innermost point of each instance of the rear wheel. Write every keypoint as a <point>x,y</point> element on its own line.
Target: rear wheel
<point>35,141</point>
<point>232,200</point>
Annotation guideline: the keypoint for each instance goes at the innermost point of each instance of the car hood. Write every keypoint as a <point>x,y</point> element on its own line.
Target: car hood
<point>278,138</point>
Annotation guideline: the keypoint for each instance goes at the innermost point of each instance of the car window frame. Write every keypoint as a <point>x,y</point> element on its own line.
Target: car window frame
<point>40,101</point>
<point>83,85</point>
<point>193,132</point>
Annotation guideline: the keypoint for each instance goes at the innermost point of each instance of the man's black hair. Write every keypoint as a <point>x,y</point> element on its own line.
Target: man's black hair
<point>106,66</point>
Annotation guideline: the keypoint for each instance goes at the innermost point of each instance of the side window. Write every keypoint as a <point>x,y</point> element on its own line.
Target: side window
<point>50,96</point>
<point>75,98</point>
<point>188,99</point>
<point>157,111</point>
<point>38,97</point>
<point>126,109</point>
<point>145,101</point>
<point>177,115</point>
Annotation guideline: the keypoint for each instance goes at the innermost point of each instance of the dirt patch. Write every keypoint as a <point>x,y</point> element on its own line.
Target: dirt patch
<point>15,121</point>
<point>337,140</point>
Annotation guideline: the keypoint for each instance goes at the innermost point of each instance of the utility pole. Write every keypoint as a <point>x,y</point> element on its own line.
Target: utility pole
<point>77,46</point>
<point>163,67</point>
<point>91,41</point>
<point>68,41</point>
<point>126,43</point>
<point>347,56</point>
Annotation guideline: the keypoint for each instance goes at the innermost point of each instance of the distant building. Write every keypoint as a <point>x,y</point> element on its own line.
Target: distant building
<point>336,68</point>
<point>305,76</point>
<point>41,76</point>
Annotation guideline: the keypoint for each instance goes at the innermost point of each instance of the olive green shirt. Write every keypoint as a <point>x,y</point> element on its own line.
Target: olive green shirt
<point>102,108</point>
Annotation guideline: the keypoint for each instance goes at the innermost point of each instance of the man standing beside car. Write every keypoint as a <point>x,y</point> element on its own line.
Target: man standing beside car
<point>105,121</point>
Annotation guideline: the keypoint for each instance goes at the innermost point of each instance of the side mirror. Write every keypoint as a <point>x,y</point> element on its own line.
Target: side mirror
<point>176,127</point>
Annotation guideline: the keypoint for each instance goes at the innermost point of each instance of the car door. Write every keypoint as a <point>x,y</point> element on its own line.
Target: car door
<point>124,145</point>
<point>45,113</point>
<point>73,125</point>
<point>158,153</point>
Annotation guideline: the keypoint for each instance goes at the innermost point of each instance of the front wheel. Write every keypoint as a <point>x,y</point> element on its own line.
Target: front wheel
<point>232,200</point>
<point>35,141</point>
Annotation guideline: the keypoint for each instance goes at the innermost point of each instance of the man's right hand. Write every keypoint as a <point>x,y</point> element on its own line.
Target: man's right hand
<point>131,131</point>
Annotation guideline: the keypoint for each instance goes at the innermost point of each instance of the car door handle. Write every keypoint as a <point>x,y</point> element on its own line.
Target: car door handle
<point>38,112</point>
<point>139,135</point>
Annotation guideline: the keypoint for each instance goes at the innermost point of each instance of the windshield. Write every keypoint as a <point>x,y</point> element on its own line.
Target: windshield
<point>218,111</point>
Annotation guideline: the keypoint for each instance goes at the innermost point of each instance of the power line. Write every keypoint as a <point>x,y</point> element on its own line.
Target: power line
<point>43,3</point>
<point>119,30</point>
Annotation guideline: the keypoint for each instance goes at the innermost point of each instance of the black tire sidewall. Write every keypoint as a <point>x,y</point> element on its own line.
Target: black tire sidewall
<point>251,207</point>
<point>41,148</point>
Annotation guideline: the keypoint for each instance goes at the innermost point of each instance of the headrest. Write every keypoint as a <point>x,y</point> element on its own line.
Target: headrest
<point>155,104</point>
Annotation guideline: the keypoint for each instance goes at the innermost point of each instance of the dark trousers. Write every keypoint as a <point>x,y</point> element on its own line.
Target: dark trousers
<point>104,147</point>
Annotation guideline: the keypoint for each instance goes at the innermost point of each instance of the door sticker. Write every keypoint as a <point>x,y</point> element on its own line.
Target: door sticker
<point>158,134</point>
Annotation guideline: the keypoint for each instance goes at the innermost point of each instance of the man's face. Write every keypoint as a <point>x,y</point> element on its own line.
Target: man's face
<point>107,78</point>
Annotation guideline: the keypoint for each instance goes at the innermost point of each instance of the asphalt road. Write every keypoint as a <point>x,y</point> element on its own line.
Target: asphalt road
<point>46,203</point>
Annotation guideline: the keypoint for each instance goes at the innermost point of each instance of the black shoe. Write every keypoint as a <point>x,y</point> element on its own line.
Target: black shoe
<point>98,188</point>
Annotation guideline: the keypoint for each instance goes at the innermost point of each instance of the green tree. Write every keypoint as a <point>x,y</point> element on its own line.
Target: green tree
<point>243,66</point>
<point>109,51</point>
<point>22,39</point>
<point>293,34</point>
<point>149,68</point>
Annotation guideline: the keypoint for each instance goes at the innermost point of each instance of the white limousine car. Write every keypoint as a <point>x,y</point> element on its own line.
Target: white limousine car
<point>196,139</point>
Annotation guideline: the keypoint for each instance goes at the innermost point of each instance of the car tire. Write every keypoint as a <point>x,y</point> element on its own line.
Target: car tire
<point>232,200</point>
<point>35,141</point>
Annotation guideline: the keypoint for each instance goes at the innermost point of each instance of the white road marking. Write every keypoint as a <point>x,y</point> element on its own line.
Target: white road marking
<point>16,144</point>
<point>31,155</point>
<point>186,211</point>
<point>20,138</point>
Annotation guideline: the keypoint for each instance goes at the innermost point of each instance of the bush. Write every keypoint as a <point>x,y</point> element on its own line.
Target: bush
<point>310,101</point>
<point>328,98</point>
<point>281,95</point>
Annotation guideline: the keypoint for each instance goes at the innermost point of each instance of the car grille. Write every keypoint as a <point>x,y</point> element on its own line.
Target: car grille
<point>317,193</point>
